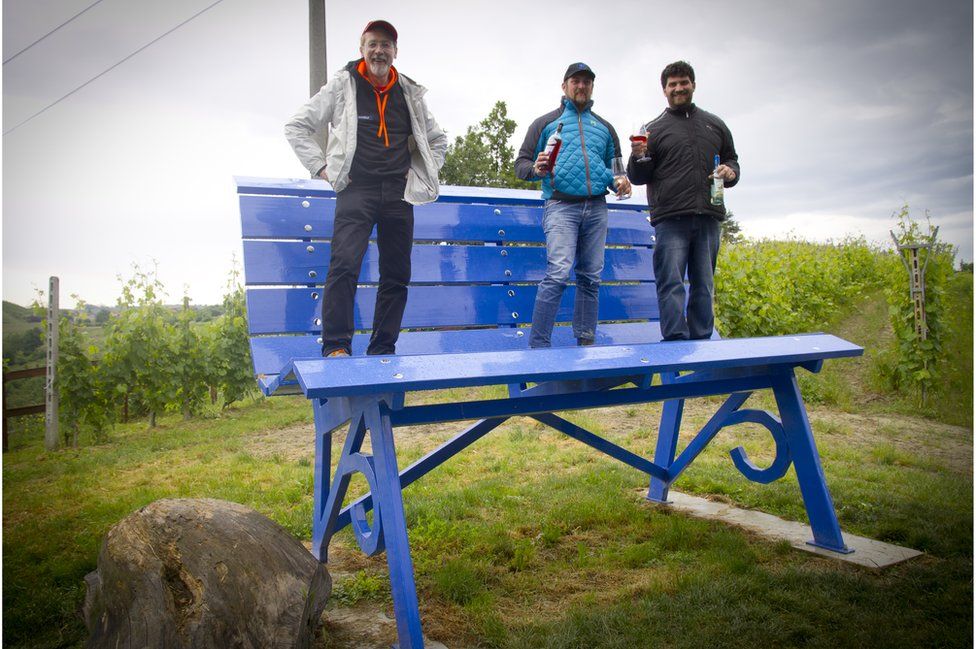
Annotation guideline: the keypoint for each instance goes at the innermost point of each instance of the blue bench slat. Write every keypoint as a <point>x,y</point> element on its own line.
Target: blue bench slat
<point>271,353</point>
<point>448,193</point>
<point>285,217</point>
<point>359,375</point>
<point>295,310</point>
<point>291,262</point>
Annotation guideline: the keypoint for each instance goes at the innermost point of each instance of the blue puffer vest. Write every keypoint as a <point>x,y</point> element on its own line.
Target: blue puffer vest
<point>583,165</point>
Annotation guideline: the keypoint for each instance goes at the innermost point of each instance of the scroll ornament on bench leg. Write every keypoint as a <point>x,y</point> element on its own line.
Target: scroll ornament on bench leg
<point>781,462</point>
<point>369,538</point>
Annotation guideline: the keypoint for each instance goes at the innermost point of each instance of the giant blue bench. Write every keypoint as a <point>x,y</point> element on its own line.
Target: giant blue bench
<point>477,259</point>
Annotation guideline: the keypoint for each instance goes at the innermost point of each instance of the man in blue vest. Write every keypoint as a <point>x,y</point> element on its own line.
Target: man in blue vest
<point>575,215</point>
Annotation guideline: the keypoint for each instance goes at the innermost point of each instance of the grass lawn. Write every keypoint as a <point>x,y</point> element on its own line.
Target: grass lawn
<point>529,539</point>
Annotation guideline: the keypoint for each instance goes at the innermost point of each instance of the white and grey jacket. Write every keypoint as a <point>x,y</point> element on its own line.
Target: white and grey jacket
<point>332,113</point>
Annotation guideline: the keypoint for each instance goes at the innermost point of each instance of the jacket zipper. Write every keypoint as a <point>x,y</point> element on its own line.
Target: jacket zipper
<point>697,162</point>
<point>586,159</point>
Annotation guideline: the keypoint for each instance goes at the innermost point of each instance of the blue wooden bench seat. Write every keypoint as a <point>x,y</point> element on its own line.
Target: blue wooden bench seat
<point>476,263</point>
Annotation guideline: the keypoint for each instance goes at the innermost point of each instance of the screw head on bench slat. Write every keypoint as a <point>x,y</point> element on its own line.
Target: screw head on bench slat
<point>511,293</point>
<point>310,248</point>
<point>497,212</point>
<point>318,340</point>
<point>508,273</point>
<point>398,376</point>
<point>312,274</point>
<point>318,322</point>
<point>308,227</point>
<point>305,203</point>
<point>519,333</point>
<point>501,233</point>
<point>504,253</point>
<point>645,360</point>
<point>515,314</point>
<point>315,295</point>
<point>385,360</point>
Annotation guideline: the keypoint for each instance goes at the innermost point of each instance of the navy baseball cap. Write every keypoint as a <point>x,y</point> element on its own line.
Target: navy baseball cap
<point>577,68</point>
<point>383,26</point>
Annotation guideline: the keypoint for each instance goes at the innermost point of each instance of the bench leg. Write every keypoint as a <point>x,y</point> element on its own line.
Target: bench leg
<point>320,476</point>
<point>806,462</point>
<point>389,502</point>
<point>667,440</point>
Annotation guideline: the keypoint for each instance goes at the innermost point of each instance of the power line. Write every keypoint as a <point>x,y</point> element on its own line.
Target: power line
<point>8,60</point>
<point>106,71</point>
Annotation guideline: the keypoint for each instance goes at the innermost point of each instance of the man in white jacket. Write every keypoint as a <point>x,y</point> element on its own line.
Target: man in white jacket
<point>382,156</point>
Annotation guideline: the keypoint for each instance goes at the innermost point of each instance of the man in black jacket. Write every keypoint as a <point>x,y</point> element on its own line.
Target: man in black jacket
<point>676,164</point>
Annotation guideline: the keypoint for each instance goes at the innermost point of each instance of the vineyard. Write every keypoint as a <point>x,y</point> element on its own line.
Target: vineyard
<point>158,402</point>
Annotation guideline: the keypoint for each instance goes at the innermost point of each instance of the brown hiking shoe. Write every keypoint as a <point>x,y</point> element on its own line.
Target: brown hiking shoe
<point>336,353</point>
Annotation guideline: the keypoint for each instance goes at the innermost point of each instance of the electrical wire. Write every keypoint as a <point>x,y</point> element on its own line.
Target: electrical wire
<point>9,59</point>
<point>107,70</point>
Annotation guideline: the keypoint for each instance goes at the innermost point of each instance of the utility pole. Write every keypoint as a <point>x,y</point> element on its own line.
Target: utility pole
<point>318,74</point>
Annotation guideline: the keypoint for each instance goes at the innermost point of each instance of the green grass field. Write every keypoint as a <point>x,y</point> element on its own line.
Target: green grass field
<point>529,539</point>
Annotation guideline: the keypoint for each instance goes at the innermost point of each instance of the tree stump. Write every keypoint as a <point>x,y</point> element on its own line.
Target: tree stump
<point>203,573</point>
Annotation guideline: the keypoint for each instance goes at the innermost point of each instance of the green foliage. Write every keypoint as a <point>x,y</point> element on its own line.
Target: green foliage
<point>229,359</point>
<point>84,400</point>
<point>913,363</point>
<point>360,587</point>
<point>484,157</point>
<point>140,351</point>
<point>769,288</point>
<point>731,230</point>
<point>190,363</point>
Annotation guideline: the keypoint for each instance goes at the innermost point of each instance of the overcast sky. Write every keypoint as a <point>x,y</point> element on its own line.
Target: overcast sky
<point>841,112</point>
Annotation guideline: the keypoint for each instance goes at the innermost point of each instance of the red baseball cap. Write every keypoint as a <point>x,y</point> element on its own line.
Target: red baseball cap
<point>381,25</point>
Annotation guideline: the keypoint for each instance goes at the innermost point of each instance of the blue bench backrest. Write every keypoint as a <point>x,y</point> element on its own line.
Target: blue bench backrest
<point>477,259</point>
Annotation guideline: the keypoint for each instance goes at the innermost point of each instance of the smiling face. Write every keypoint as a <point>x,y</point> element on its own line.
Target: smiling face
<point>679,91</point>
<point>378,50</point>
<point>579,88</point>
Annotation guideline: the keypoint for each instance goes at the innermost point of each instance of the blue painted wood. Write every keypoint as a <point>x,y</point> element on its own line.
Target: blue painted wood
<point>368,375</point>
<point>781,461</point>
<point>295,217</point>
<point>428,463</point>
<point>602,445</point>
<point>806,462</point>
<point>298,310</point>
<point>272,353</point>
<point>490,289</point>
<point>701,439</point>
<point>448,193</point>
<point>300,262</point>
<point>667,441</point>
<point>389,502</point>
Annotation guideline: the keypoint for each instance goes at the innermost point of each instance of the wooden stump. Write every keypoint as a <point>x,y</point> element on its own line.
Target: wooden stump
<point>203,573</point>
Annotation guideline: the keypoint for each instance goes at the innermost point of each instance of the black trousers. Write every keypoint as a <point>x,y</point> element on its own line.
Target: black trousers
<point>359,207</point>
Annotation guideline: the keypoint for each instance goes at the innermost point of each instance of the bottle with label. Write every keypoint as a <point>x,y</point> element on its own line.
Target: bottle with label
<point>553,144</point>
<point>717,194</point>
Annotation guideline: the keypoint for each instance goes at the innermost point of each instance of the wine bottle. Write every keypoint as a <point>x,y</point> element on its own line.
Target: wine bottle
<point>553,145</point>
<point>717,194</point>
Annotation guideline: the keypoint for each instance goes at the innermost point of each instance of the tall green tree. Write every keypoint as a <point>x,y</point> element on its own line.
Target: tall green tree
<point>484,157</point>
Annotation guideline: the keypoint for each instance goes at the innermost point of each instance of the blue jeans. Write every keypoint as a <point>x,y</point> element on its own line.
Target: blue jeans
<point>576,232</point>
<point>686,243</point>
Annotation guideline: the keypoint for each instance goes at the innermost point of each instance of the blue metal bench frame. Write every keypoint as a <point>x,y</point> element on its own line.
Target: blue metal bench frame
<point>465,331</point>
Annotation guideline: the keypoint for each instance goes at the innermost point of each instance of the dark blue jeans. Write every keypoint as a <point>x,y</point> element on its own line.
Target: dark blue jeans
<point>576,234</point>
<point>686,244</point>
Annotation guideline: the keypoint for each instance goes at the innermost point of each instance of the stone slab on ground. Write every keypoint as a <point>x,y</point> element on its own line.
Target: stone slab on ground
<point>867,552</point>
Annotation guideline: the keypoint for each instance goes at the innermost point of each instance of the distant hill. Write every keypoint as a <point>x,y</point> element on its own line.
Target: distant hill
<point>18,319</point>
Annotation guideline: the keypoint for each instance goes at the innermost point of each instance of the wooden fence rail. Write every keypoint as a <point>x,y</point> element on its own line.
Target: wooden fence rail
<point>23,410</point>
